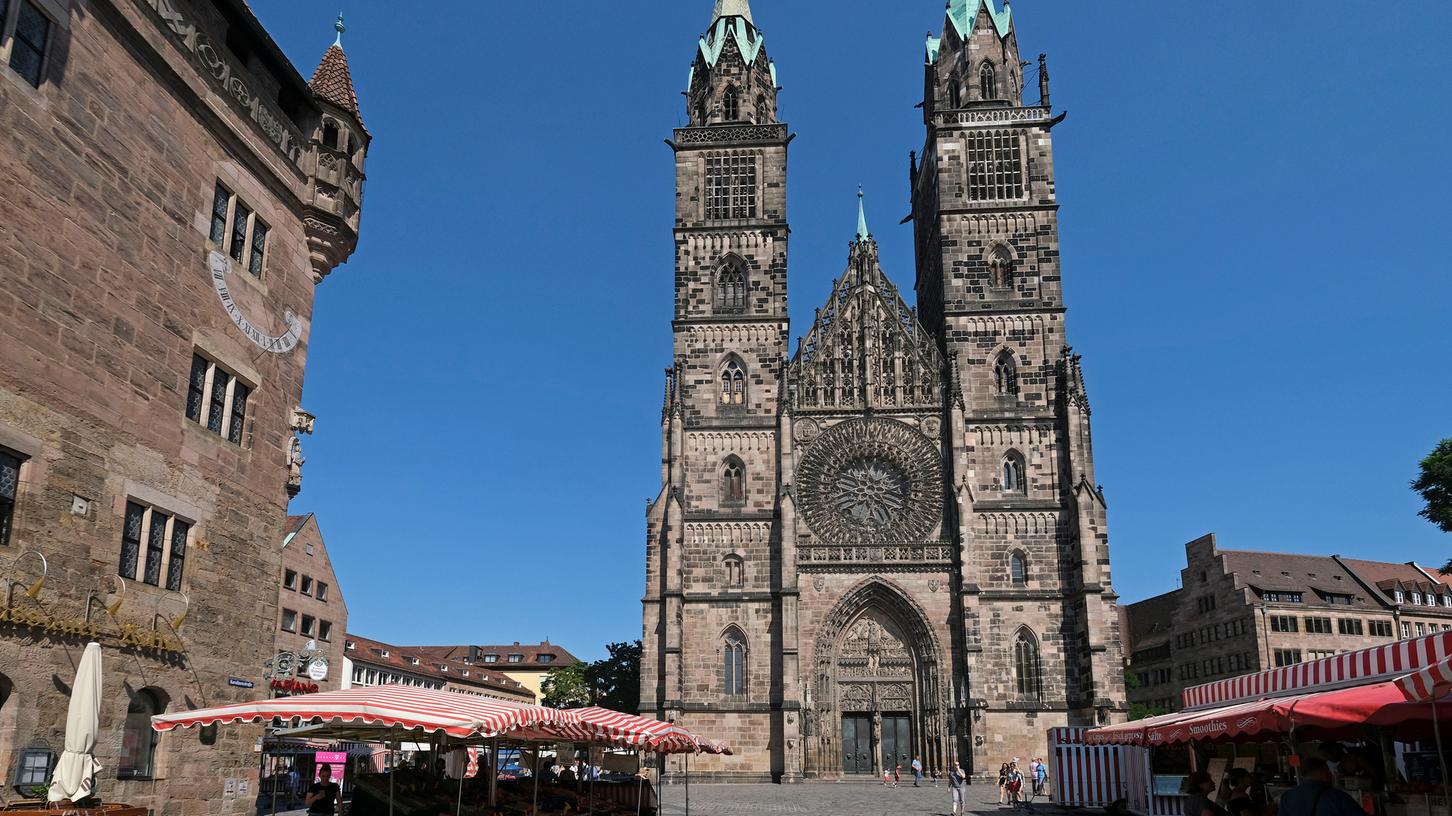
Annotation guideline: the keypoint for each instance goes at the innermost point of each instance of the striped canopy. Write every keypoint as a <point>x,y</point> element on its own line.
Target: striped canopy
<point>1432,682</point>
<point>644,733</point>
<point>429,710</point>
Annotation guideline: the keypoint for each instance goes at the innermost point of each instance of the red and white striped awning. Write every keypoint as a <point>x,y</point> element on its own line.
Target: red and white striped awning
<point>406,707</point>
<point>1362,667</point>
<point>640,732</point>
<point>1431,683</point>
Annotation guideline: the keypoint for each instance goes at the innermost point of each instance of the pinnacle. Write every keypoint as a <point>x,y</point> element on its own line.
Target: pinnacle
<point>732,8</point>
<point>862,232</point>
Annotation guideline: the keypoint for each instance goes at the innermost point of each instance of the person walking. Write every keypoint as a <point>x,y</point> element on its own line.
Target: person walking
<point>917,772</point>
<point>935,776</point>
<point>896,775</point>
<point>325,797</point>
<point>1003,784</point>
<point>1041,776</point>
<point>1015,784</point>
<point>955,786</point>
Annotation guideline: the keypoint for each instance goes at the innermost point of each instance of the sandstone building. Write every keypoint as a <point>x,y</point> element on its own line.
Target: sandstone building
<point>888,542</point>
<point>311,609</point>
<point>173,192</point>
<point>1238,612</point>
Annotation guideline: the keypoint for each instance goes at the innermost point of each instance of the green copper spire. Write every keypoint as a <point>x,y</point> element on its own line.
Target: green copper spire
<point>862,233</point>
<point>340,28</point>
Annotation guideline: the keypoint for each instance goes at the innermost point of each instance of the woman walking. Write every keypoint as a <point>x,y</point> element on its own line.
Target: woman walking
<point>1003,784</point>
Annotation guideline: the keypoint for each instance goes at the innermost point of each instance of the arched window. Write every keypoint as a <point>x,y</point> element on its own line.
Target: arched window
<point>1018,569</point>
<point>733,482</point>
<point>733,383</point>
<point>987,82</point>
<point>731,105</point>
<point>1026,667</point>
<point>955,92</point>
<point>762,114</point>
<point>1013,474</point>
<point>731,288</point>
<point>1005,375</point>
<point>701,113</point>
<point>1000,269</point>
<point>138,741</point>
<point>735,572</point>
<point>330,134</point>
<point>733,660</point>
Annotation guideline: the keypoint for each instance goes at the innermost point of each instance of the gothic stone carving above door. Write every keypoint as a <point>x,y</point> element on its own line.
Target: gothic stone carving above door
<point>871,481</point>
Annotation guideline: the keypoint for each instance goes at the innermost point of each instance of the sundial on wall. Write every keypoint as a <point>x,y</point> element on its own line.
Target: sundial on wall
<point>871,481</point>
<point>221,266</point>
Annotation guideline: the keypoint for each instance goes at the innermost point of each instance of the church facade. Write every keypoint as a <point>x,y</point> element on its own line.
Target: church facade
<point>888,541</point>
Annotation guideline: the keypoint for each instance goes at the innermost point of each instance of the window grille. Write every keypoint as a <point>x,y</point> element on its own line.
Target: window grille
<point>9,486</point>
<point>995,165</point>
<point>216,399</point>
<point>730,186</point>
<point>246,239</point>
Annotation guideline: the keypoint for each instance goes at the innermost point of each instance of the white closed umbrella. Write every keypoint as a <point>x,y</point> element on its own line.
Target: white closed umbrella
<point>75,774</point>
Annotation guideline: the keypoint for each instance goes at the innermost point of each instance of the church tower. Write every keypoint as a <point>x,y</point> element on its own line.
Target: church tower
<point>715,591</point>
<point>1039,637</point>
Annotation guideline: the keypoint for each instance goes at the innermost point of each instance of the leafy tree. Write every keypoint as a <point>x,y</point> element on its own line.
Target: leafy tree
<point>567,687</point>
<point>616,679</point>
<point>1435,485</point>
<point>1140,711</point>
<point>612,683</point>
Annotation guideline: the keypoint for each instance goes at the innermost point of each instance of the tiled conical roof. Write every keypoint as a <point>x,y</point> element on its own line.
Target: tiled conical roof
<point>334,84</point>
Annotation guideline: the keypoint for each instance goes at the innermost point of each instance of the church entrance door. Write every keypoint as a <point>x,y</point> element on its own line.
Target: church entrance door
<point>857,743</point>
<point>897,742</point>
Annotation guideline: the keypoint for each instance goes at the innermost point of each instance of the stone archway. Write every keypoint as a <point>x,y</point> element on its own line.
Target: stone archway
<point>875,699</point>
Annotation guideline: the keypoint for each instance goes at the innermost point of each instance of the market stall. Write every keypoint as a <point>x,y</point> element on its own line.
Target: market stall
<point>446,721</point>
<point>1376,713</point>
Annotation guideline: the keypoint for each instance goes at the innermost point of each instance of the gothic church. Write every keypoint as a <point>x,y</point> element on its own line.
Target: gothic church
<point>887,543</point>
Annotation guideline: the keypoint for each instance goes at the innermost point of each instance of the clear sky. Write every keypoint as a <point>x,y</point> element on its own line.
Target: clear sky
<point>1254,233</point>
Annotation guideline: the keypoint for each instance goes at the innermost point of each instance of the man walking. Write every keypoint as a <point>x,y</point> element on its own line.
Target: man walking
<point>955,785</point>
<point>1041,776</point>
<point>917,772</point>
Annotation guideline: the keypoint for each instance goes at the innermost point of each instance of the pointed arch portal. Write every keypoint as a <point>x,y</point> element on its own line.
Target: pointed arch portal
<point>876,698</point>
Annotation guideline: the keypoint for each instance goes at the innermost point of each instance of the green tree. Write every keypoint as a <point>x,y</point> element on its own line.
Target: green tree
<point>1435,485</point>
<point>567,687</point>
<point>615,680</point>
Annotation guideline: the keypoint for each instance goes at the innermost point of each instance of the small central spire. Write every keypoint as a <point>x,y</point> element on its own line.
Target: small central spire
<point>340,28</point>
<point>732,8</point>
<point>862,233</point>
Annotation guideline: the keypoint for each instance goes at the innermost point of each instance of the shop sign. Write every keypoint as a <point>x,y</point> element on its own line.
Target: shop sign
<point>130,634</point>
<point>294,686</point>
<point>337,762</point>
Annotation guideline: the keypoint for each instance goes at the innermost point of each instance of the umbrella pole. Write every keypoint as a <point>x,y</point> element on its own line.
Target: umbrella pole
<point>688,785</point>
<point>459,803</point>
<point>494,775</point>
<point>274,785</point>
<point>640,788</point>
<point>392,769</point>
<point>534,808</point>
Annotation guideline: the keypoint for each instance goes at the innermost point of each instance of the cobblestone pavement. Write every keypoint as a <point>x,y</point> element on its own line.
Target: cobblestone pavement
<point>836,799</point>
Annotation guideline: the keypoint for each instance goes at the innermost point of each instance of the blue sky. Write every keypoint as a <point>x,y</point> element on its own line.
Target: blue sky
<point>1253,227</point>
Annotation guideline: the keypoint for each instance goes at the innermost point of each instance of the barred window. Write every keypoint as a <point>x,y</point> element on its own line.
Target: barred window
<point>28,39</point>
<point>731,186</point>
<point>164,537</point>
<point>9,483</point>
<point>995,165</point>
<point>216,399</point>
<point>246,238</point>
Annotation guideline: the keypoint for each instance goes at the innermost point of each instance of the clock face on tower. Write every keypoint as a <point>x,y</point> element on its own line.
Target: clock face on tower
<point>871,481</point>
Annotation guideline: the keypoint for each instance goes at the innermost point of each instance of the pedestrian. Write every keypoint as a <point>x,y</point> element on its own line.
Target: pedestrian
<point>1015,783</point>
<point>1237,793</point>
<point>1003,784</point>
<point>896,775</point>
<point>955,784</point>
<point>886,777</point>
<point>935,776</point>
<point>1316,796</point>
<point>1041,777</point>
<point>917,772</point>
<point>324,798</point>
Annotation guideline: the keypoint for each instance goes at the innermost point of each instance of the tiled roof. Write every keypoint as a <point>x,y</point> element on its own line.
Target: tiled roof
<point>1386,576</point>
<point>366,650</point>
<point>1150,620</point>
<point>295,523</point>
<point>1286,572</point>
<point>529,652</point>
<point>333,83</point>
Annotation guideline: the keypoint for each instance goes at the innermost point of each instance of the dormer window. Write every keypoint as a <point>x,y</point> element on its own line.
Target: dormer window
<point>516,658</point>
<point>413,661</point>
<point>1416,598</point>
<point>544,658</point>
<point>489,658</point>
